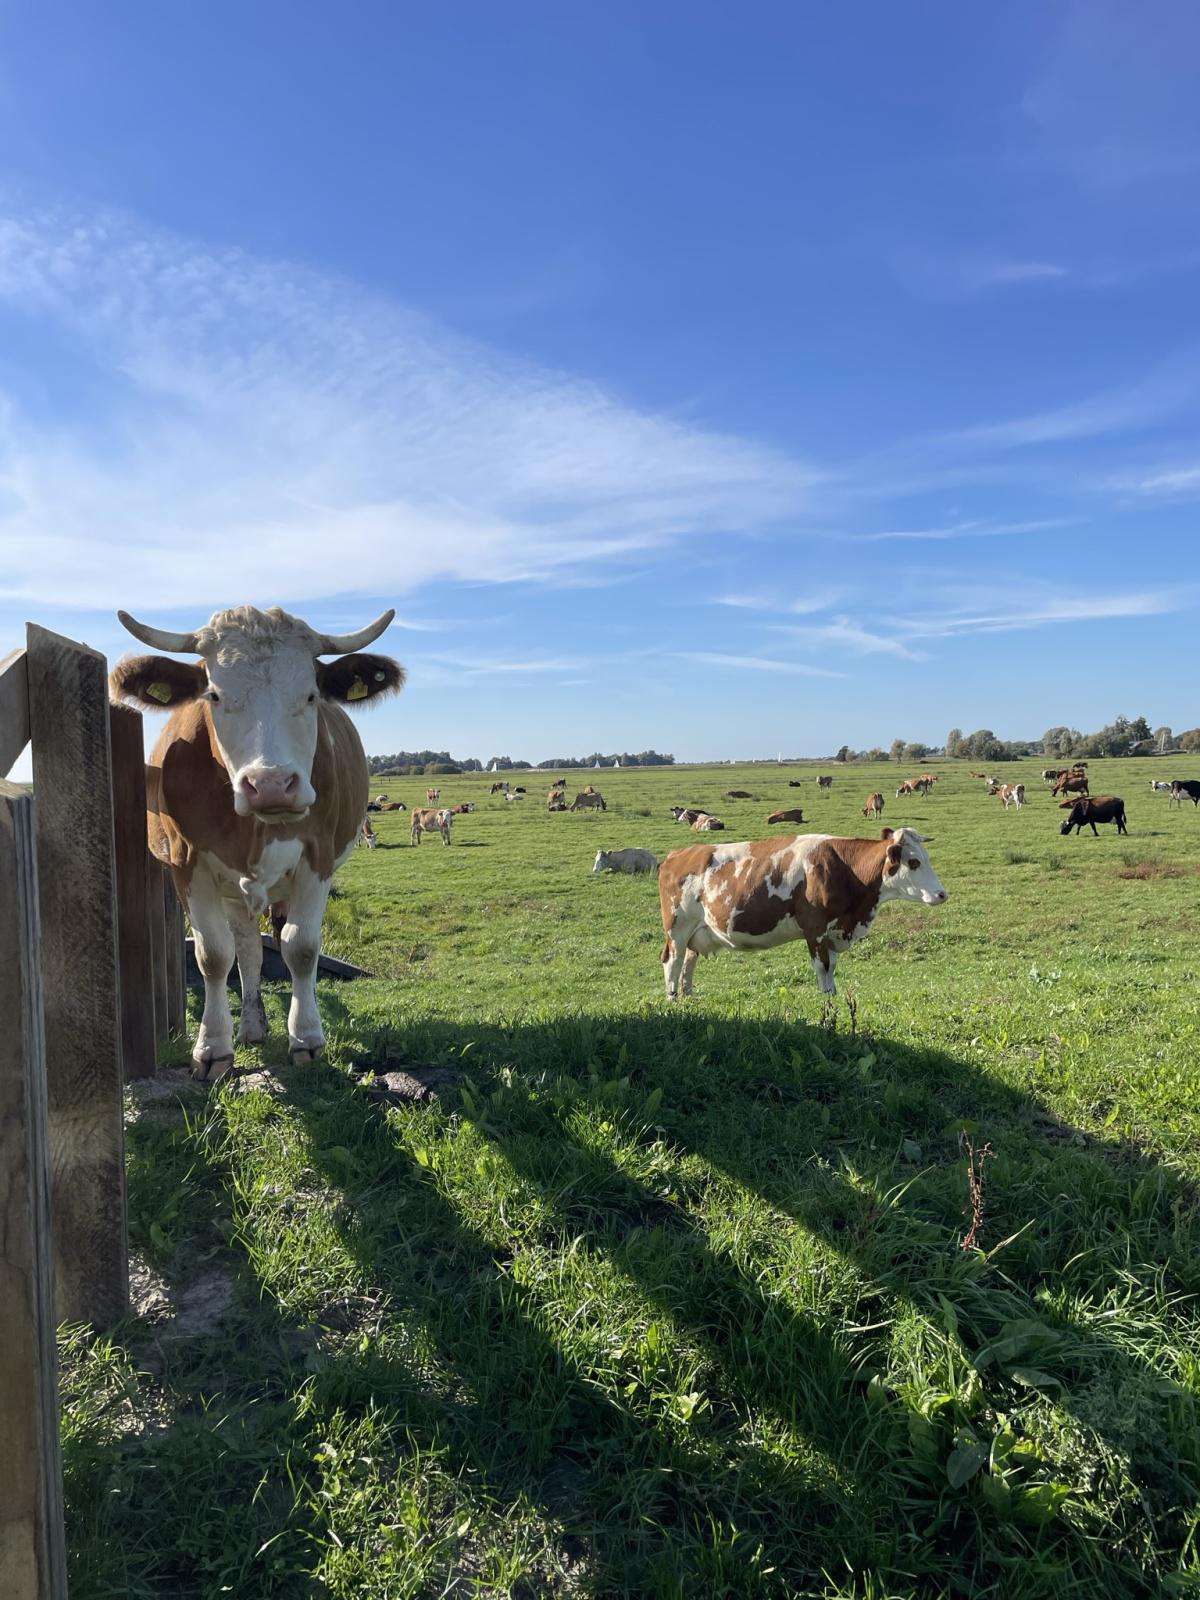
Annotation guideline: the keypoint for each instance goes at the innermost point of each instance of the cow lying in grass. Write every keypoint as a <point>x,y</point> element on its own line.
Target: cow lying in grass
<point>1091,810</point>
<point>753,896</point>
<point>631,860</point>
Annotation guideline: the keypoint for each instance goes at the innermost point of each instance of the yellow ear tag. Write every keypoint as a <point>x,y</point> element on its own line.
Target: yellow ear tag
<point>357,690</point>
<point>160,692</point>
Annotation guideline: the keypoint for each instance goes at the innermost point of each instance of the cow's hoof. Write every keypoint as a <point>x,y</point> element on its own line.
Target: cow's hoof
<point>209,1071</point>
<point>254,1026</point>
<point>301,1054</point>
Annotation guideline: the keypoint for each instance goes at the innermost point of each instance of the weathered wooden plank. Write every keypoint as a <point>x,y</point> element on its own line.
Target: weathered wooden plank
<point>156,921</point>
<point>14,709</point>
<point>72,778</point>
<point>32,1555</point>
<point>129,828</point>
<point>176,974</point>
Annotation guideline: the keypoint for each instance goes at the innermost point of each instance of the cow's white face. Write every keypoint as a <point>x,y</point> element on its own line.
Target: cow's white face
<point>264,715</point>
<point>601,863</point>
<point>909,874</point>
<point>261,682</point>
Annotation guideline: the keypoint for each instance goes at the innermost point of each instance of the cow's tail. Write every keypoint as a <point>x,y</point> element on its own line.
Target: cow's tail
<point>666,952</point>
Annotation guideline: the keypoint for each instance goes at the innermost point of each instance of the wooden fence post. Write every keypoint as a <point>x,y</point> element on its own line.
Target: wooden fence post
<point>129,826</point>
<point>72,775</point>
<point>32,1553</point>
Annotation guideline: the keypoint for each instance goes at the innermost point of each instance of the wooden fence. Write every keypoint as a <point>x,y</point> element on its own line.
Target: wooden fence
<point>91,981</point>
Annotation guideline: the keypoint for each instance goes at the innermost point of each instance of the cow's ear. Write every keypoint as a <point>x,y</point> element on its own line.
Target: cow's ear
<point>886,833</point>
<point>156,682</point>
<point>355,678</point>
<point>893,855</point>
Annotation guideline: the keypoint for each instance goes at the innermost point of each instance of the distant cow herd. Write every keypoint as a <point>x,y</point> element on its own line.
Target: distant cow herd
<point>258,790</point>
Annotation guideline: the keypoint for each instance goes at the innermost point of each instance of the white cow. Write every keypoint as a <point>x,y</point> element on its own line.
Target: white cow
<point>631,860</point>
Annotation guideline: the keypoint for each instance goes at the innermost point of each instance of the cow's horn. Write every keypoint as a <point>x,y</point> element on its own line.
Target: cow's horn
<point>343,644</point>
<point>158,638</point>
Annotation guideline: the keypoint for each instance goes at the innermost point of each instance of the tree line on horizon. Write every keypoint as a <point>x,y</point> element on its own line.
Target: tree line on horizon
<point>1121,737</point>
<point>440,763</point>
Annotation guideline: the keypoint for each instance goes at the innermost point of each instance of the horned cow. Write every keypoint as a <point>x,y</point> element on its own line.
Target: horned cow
<point>256,791</point>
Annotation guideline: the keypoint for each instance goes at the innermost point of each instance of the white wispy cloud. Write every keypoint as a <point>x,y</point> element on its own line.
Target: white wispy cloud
<point>1176,481</point>
<point>803,605</point>
<point>979,529</point>
<point>1045,612</point>
<point>714,658</point>
<point>1113,101</point>
<point>259,431</point>
<point>844,634</point>
<point>943,275</point>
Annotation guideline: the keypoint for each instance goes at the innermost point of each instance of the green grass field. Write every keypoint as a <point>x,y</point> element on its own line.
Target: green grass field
<point>648,1301</point>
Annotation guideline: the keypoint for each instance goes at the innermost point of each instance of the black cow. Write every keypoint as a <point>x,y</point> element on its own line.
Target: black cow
<point>1094,809</point>
<point>1185,786</point>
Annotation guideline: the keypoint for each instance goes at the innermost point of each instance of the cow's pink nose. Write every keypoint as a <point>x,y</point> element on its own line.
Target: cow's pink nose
<point>271,790</point>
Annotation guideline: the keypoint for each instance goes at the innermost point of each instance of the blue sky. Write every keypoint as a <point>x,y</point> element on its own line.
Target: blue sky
<point>722,379</point>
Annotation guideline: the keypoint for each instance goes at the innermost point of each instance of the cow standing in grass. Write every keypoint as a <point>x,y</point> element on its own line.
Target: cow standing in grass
<point>1089,811</point>
<point>256,791</point>
<point>753,896</point>
<point>427,820</point>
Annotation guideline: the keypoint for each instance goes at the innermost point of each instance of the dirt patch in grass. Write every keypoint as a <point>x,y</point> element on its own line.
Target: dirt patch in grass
<point>1155,869</point>
<point>182,1313</point>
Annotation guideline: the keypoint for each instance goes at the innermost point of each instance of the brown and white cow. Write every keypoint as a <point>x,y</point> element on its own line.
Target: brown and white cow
<point>433,796</point>
<point>753,896</point>
<point>796,814</point>
<point>1010,793</point>
<point>825,781</point>
<point>874,806</point>
<point>256,791</point>
<point>497,787</point>
<point>427,819</point>
<point>589,797</point>
<point>707,823</point>
<point>368,836</point>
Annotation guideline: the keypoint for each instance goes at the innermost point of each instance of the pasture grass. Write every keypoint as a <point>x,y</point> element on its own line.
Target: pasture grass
<point>649,1301</point>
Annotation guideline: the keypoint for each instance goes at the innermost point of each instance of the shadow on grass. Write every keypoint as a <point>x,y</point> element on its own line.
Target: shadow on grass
<point>700,1397</point>
<point>854,1144</point>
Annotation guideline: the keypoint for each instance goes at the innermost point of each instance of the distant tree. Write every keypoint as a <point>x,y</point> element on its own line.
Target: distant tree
<point>1058,741</point>
<point>875,754</point>
<point>896,752</point>
<point>441,769</point>
<point>845,754</point>
<point>1189,740</point>
<point>954,743</point>
<point>916,751</point>
<point>1162,739</point>
<point>983,745</point>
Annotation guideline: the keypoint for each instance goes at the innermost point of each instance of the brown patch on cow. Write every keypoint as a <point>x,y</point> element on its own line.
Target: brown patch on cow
<point>359,677</point>
<point>156,682</point>
<point>676,869</point>
<point>838,886</point>
<point>189,798</point>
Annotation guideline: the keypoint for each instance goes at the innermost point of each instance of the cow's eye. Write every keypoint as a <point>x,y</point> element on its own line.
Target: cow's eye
<point>914,865</point>
<point>312,699</point>
<point>214,697</point>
